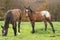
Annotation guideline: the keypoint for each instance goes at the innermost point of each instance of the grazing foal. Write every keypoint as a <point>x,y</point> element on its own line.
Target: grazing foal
<point>10,18</point>
<point>39,16</point>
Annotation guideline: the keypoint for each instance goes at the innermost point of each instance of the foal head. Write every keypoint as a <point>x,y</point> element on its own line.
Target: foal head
<point>28,11</point>
<point>4,31</point>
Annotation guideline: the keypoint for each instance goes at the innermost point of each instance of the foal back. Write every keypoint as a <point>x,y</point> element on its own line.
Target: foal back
<point>16,13</point>
<point>41,16</point>
<point>13,15</point>
<point>38,17</point>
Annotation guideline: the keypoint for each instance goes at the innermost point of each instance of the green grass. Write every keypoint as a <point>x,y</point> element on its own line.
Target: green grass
<point>26,34</point>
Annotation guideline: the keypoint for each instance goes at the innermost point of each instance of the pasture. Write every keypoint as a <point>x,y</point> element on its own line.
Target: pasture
<point>26,34</point>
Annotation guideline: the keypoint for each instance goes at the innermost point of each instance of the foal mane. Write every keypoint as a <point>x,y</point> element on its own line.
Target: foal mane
<point>31,10</point>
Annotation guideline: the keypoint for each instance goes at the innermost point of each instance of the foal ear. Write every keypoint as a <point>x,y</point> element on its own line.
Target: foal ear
<point>1,26</point>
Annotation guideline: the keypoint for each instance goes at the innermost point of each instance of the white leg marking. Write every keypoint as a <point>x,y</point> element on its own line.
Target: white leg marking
<point>19,33</point>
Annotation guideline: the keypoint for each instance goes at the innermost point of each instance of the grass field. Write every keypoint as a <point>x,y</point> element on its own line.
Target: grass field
<point>26,34</point>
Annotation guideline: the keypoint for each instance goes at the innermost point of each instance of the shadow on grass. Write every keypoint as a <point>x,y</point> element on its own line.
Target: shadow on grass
<point>49,30</point>
<point>58,35</point>
<point>42,31</point>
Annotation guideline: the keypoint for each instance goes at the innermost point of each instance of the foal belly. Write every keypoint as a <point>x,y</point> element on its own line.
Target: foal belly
<point>39,19</point>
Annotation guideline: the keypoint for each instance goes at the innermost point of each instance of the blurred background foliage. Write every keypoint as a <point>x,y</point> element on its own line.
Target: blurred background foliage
<point>53,6</point>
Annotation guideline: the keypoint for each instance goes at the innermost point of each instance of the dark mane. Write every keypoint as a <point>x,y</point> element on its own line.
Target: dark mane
<point>31,10</point>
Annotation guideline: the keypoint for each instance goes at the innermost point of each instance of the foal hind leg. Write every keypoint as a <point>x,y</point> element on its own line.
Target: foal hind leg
<point>52,26</point>
<point>15,29</point>
<point>19,22</point>
<point>45,25</point>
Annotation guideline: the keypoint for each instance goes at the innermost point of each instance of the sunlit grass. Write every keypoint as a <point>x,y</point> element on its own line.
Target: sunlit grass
<point>40,33</point>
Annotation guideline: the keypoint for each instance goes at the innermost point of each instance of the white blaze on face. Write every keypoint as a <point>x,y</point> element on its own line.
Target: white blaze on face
<point>4,31</point>
<point>46,13</point>
<point>27,12</point>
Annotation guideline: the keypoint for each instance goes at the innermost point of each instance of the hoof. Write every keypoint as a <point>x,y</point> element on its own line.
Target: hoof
<point>14,35</point>
<point>53,35</point>
<point>33,31</point>
<point>45,30</point>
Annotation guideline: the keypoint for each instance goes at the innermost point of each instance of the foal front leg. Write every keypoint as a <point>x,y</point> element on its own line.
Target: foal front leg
<point>33,24</point>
